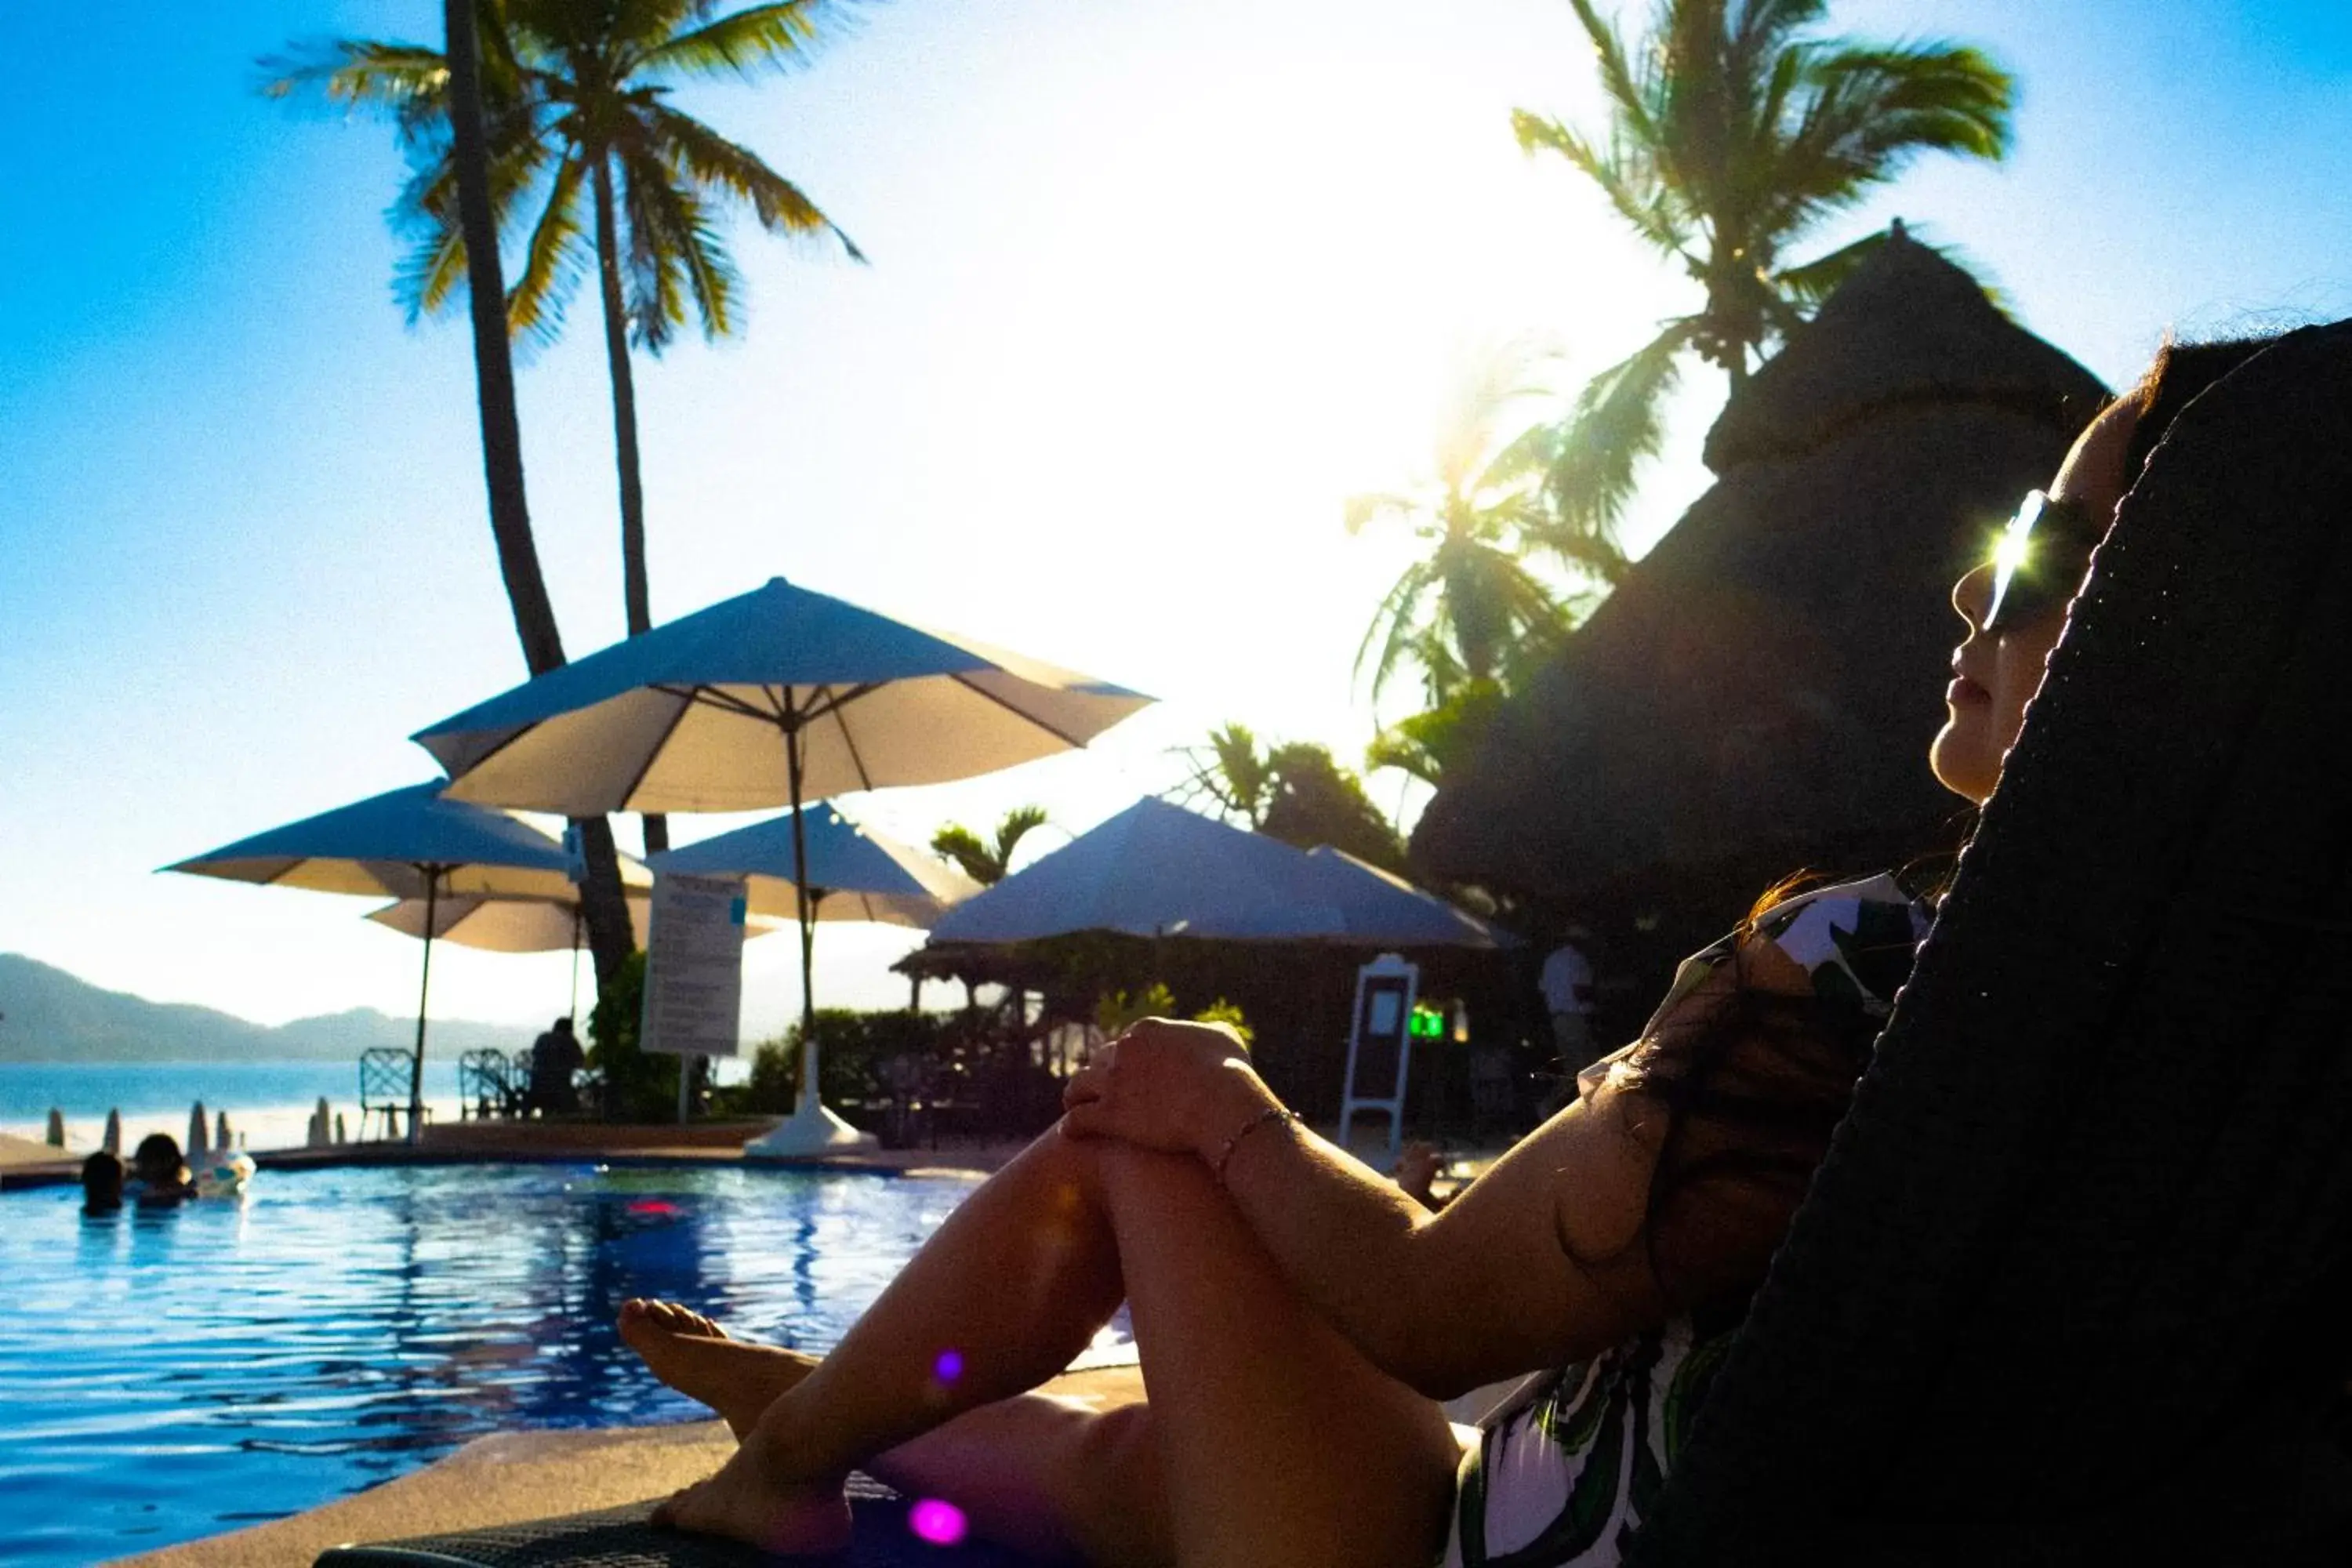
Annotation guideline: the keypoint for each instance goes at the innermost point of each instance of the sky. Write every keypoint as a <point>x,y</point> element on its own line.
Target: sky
<point>1152,289</point>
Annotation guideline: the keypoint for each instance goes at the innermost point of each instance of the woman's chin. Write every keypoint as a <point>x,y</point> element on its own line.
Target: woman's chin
<point>1961,761</point>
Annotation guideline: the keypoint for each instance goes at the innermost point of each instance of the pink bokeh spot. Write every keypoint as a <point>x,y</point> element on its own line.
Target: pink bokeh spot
<point>949,1366</point>
<point>940,1523</point>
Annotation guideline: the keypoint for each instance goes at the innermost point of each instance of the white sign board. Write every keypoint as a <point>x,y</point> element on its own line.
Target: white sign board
<point>694,967</point>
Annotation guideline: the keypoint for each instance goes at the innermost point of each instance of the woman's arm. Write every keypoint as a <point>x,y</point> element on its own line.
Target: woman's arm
<point>1540,1261</point>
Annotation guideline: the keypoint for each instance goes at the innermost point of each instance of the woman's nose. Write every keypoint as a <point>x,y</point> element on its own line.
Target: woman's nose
<point>1972,595</point>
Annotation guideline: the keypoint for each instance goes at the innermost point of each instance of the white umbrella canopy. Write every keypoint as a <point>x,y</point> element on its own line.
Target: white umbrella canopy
<point>775,697</point>
<point>1156,870</point>
<point>411,843</point>
<point>1378,909</point>
<point>859,873</point>
<point>501,925</point>
<point>693,715</point>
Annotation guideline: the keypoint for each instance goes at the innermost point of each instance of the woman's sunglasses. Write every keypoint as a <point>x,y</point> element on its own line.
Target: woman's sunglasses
<point>2038,561</point>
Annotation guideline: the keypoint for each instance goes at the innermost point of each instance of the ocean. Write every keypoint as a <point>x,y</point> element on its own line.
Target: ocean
<point>268,1103</point>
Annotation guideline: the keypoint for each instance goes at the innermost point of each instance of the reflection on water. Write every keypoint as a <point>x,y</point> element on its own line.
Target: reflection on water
<point>164,1375</point>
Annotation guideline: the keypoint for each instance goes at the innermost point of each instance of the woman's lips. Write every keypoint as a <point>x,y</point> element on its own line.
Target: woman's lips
<point>1963,692</point>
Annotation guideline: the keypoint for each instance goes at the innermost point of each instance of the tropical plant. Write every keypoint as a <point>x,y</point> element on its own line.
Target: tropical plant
<point>474,207</point>
<point>1733,131</point>
<point>1426,745</point>
<point>622,184</point>
<point>1293,791</point>
<point>988,862</point>
<point>1470,604</point>
<point>1232,772</point>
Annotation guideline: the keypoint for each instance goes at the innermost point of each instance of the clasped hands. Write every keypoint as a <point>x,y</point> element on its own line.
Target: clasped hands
<point>1167,1085</point>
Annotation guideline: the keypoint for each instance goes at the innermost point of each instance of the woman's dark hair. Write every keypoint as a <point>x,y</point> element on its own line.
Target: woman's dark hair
<point>1751,1088</point>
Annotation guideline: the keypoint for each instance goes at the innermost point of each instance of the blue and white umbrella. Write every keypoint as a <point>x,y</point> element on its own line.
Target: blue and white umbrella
<point>412,843</point>
<point>1156,870</point>
<point>777,697</point>
<point>855,873</point>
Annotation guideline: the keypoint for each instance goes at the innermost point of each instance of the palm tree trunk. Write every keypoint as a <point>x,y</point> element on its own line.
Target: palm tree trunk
<point>636,595</point>
<point>609,937</point>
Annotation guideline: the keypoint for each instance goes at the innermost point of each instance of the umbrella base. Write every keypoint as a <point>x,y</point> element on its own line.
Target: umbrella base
<point>811,1129</point>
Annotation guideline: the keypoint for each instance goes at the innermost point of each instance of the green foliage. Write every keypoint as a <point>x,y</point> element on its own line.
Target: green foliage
<point>1116,1011</point>
<point>1732,132</point>
<point>989,862</point>
<point>1428,744</point>
<point>1470,604</point>
<point>1232,772</point>
<point>576,96</point>
<point>855,1052</point>
<point>1294,792</point>
<point>639,1086</point>
<point>1316,801</point>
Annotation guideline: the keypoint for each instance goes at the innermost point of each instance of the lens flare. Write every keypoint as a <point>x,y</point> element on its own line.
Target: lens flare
<point>940,1523</point>
<point>949,1366</point>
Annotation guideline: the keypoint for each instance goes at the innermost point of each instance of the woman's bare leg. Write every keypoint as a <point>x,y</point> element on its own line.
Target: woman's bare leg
<point>1268,1438</point>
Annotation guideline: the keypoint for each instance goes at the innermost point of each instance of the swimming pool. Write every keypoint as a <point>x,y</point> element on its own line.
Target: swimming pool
<point>170,1374</point>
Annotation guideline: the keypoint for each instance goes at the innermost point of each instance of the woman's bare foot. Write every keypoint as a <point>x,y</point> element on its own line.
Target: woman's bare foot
<point>742,1504</point>
<point>692,1355</point>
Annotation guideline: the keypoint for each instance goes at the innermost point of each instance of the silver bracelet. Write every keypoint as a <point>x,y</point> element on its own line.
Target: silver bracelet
<point>1271,1113</point>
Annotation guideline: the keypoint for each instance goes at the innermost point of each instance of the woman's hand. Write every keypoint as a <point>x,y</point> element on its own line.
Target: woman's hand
<point>1180,1087</point>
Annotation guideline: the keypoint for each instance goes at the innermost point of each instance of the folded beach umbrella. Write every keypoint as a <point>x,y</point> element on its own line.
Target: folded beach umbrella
<point>1379,909</point>
<point>411,843</point>
<point>501,925</point>
<point>776,696</point>
<point>855,873</point>
<point>1156,870</point>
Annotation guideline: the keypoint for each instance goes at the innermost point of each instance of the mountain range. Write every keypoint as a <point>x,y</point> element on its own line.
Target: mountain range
<point>49,1015</point>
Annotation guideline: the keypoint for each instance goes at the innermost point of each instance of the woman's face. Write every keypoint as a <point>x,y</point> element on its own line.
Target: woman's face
<point>1996,673</point>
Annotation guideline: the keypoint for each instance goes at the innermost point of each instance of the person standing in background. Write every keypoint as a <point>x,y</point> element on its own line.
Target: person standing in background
<point>555,1055</point>
<point>1567,985</point>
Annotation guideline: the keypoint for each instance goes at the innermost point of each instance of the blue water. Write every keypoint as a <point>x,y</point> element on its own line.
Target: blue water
<point>87,1090</point>
<point>170,1374</point>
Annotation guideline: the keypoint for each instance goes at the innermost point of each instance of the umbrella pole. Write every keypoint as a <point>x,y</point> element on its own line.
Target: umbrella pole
<point>576,911</point>
<point>424,988</point>
<point>801,909</point>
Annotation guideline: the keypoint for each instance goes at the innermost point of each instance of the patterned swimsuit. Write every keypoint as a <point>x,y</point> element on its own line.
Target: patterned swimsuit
<point>1567,1466</point>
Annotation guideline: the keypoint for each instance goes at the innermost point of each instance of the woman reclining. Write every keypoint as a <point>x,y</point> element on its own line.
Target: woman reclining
<point>1299,1320</point>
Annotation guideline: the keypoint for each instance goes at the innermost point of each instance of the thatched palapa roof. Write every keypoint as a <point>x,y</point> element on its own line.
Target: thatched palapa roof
<point>1758,695</point>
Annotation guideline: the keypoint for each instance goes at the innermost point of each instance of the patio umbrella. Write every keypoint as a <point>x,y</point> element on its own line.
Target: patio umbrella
<point>1378,909</point>
<point>855,873</point>
<point>1156,870</point>
<point>773,698</point>
<point>412,843</point>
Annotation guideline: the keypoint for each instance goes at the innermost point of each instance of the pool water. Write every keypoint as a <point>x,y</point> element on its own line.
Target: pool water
<point>167,1375</point>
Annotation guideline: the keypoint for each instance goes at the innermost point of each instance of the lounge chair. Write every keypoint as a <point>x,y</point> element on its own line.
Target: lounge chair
<point>2062,1291</point>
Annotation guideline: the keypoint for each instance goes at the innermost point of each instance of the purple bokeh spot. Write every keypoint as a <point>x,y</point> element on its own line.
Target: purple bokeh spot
<point>949,1366</point>
<point>940,1523</point>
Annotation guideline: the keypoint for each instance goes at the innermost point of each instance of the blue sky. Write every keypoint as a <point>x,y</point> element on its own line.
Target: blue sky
<point>1153,289</point>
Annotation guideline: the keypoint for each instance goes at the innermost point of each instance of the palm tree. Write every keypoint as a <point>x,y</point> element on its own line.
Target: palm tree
<point>609,935</point>
<point>1732,132</point>
<point>1232,772</point>
<point>1471,607</point>
<point>988,862</point>
<point>583,133</point>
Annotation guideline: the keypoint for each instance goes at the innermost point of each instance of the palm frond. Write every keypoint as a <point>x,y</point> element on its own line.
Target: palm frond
<point>1629,182</point>
<point>1807,285</point>
<point>674,251</point>
<point>557,257</point>
<point>1361,512</point>
<point>407,84</point>
<point>961,845</point>
<point>1017,825</point>
<point>776,37</point>
<point>1393,625</point>
<point>711,161</point>
<point>1618,424</point>
<point>427,279</point>
<point>1633,92</point>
